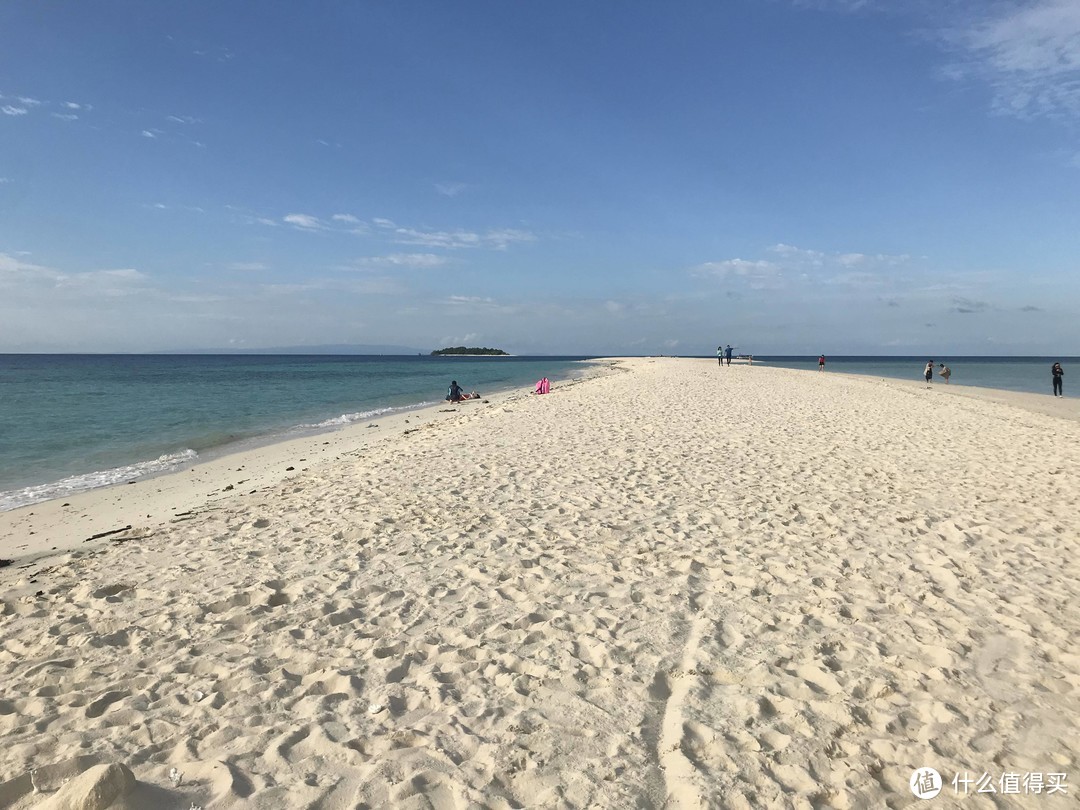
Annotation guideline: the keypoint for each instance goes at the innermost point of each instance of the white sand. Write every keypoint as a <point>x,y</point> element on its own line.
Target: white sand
<point>673,586</point>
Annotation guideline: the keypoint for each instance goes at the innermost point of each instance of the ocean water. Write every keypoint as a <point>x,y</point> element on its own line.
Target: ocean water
<point>69,423</point>
<point>1028,374</point>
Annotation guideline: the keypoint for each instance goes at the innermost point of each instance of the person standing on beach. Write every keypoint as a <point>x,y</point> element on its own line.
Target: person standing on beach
<point>944,372</point>
<point>821,363</point>
<point>720,354</point>
<point>928,372</point>
<point>1057,373</point>
<point>727,354</point>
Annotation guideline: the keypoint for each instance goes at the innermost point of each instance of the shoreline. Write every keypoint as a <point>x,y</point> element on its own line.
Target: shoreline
<point>42,529</point>
<point>234,446</point>
<point>1032,384</point>
<point>1045,404</point>
<point>661,585</point>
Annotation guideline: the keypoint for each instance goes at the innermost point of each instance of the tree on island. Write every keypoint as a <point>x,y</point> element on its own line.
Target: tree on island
<point>464,350</point>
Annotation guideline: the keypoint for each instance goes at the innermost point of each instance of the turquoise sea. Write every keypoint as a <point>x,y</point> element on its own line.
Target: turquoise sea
<point>1028,374</point>
<point>69,423</point>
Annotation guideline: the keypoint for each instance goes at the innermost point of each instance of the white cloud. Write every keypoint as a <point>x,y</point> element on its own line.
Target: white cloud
<point>492,239</point>
<point>800,254</point>
<point>501,239</point>
<point>182,119</point>
<point>470,299</point>
<point>359,227</point>
<point>865,260</point>
<point>304,222</point>
<point>737,267</point>
<point>163,207</point>
<point>1028,52</point>
<point>18,274</point>
<point>65,116</point>
<point>414,261</point>
<point>146,133</point>
<point>112,283</point>
<point>5,180</point>
<point>29,102</point>
<point>246,267</point>
<point>13,270</point>
<point>788,261</point>
<point>7,109</point>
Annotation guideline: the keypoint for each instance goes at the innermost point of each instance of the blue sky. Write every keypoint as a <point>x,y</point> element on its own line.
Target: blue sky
<point>550,178</point>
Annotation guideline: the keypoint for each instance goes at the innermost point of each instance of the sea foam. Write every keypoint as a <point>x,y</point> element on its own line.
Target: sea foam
<point>12,499</point>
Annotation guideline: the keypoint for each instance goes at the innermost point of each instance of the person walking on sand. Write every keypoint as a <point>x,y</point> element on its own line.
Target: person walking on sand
<point>1057,373</point>
<point>727,354</point>
<point>944,372</point>
<point>928,372</point>
<point>720,354</point>
<point>821,363</point>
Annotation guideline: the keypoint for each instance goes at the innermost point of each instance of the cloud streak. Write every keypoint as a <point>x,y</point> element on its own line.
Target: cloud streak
<point>494,239</point>
<point>402,261</point>
<point>787,263</point>
<point>305,222</point>
<point>18,275</point>
<point>1029,53</point>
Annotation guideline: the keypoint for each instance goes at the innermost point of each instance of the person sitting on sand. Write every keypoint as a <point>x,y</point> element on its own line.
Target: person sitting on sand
<point>944,372</point>
<point>454,393</point>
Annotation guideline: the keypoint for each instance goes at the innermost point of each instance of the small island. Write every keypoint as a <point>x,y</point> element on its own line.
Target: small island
<point>462,350</point>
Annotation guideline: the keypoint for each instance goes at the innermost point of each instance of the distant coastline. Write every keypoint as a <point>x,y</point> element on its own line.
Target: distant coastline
<point>464,351</point>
